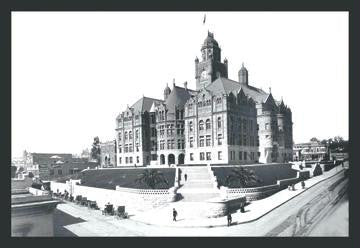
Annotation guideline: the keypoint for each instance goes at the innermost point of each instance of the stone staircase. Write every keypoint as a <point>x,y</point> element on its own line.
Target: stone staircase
<point>199,185</point>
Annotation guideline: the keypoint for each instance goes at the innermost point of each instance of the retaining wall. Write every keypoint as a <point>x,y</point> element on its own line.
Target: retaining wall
<point>132,199</point>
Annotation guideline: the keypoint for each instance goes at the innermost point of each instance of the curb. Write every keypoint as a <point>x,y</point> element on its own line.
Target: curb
<point>242,222</point>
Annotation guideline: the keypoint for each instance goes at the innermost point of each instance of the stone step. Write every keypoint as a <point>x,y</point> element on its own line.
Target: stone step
<point>198,197</point>
<point>196,185</point>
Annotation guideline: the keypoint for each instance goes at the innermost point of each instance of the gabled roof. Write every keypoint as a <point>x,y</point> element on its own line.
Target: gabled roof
<point>225,85</point>
<point>177,97</point>
<point>144,104</point>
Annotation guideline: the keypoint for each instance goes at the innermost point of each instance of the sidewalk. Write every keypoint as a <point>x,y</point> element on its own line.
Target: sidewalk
<point>163,216</point>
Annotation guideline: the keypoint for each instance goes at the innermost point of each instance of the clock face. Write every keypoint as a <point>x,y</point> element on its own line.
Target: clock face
<point>204,75</point>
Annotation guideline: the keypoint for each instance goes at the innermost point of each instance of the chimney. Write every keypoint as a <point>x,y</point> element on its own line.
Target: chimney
<point>174,82</point>
<point>185,85</point>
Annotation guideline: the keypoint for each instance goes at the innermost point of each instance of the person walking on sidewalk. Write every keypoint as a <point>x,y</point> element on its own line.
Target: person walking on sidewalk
<point>303,184</point>
<point>185,177</point>
<point>229,219</point>
<point>174,214</point>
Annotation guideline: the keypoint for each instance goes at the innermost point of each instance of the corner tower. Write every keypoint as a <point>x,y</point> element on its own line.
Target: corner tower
<point>210,66</point>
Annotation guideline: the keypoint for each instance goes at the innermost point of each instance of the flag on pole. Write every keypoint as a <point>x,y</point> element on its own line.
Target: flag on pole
<point>204,19</point>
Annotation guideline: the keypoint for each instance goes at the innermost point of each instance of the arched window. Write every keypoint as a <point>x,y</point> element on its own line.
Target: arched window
<point>137,134</point>
<point>201,125</point>
<point>191,126</point>
<point>130,135</point>
<point>219,122</point>
<point>208,124</point>
<point>126,135</point>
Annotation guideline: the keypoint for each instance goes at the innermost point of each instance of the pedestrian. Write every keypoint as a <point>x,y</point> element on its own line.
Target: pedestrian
<point>242,207</point>
<point>229,219</point>
<point>303,184</point>
<point>174,214</point>
<point>135,165</point>
<point>293,187</point>
<point>185,176</point>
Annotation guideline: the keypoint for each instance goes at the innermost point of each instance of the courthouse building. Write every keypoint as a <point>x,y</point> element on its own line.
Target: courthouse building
<point>222,121</point>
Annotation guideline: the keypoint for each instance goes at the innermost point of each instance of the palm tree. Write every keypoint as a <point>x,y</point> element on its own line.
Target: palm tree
<point>152,178</point>
<point>243,177</point>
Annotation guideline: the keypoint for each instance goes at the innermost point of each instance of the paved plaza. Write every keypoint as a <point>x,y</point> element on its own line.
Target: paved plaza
<point>259,219</point>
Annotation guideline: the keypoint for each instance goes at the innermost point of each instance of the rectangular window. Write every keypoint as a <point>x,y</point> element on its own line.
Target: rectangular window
<point>130,160</point>
<point>126,160</point>
<point>220,155</point>
<point>191,156</point>
<point>244,139</point>
<point>179,144</point>
<point>240,155</point>
<point>191,141</point>
<point>59,172</point>
<point>208,156</point>
<point>201,141</point>
<point>202,156</point>
<point>119,160</point>
<point>245,155</point>
<point>137,159</point>
<point>208,140</point>
<point>120,150</point>
<point>137,147</point>
<point>259,154</point>
<point>220,139</point>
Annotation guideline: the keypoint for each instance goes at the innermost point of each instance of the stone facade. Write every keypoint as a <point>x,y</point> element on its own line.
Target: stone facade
<point>222,121</point>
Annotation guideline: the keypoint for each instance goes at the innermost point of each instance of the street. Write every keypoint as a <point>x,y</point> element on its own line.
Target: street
<point>293,218</point>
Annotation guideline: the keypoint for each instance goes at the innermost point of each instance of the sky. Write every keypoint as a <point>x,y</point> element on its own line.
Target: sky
<point>74,72</point>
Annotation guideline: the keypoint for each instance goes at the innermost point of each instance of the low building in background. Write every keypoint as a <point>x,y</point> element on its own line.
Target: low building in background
<point>108,154</point>
<point>48,166</point>
<point>310,151</point>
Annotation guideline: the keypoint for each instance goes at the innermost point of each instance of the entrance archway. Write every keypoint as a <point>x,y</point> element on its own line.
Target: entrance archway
<point>171,159</point>
<point>162,159</point>
<point>181,158</point>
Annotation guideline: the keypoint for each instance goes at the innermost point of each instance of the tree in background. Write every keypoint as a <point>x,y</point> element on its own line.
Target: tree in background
<point>95,150</point>
<point>31,175</point>
<point>338,144</point>
<point>314,139</point>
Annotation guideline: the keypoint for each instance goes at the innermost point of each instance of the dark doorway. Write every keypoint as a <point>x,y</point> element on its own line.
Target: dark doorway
<point>181,158</point>
<point>171,159</point>
<point>162,159</point>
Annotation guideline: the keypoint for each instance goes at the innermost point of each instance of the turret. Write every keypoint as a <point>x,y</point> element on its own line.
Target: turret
<point>243,75</point>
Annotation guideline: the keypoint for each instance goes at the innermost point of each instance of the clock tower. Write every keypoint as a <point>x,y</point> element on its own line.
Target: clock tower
<point>210,66</point>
